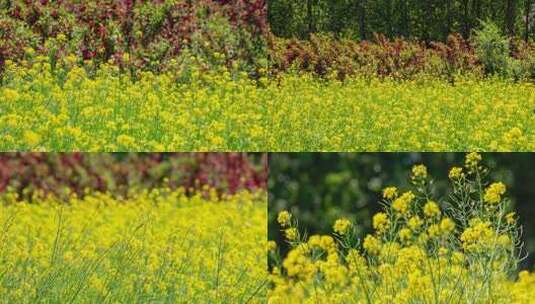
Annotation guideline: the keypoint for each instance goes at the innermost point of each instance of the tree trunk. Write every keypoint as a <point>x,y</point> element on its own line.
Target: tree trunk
<point>527,11</point>
<point>310,18</point>
<point>362,18</point>
<point>477,10</point>
<point>405,19</point>
<point>466,20</point>
<point>388,17</point>
<point>510,15</point>
<point>428,15</point>
<point>447,24</point>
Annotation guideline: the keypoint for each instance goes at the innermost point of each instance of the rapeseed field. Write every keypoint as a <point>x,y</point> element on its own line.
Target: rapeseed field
<point>156,246</point>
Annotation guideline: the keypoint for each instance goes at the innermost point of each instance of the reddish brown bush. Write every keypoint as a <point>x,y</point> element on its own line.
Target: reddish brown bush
<point>381,57</point>
<point>60,173</point>
<point>150,32</point>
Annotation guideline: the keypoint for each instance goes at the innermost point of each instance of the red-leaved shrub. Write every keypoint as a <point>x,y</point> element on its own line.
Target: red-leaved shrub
<point>63,173</point>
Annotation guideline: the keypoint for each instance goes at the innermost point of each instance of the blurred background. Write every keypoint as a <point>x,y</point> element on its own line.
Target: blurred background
<point>60,174</point>
<point>318,188</point>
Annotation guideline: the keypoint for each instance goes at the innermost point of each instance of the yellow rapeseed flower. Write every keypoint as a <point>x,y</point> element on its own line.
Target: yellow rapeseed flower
<point>341,226</point>
<point>415,223</point>
<point>431,209</point>
<point>494,192</point>
<point>433,231</point>
<point>271,246</point>
<point>447,226</point>
<point>284,218</point>
<point>456,173</point>
<point>126,141</point>
<point>390,192</point>
<point>402,203</point>
<point>405,234</point>
<point>291,234</point>
<point>380,222</point>
<point>472,161</point>
<point>419,172</point>
<point>32,138</point>
<point>10,95</point>
<point>371,245</point>
<point>132,241</point>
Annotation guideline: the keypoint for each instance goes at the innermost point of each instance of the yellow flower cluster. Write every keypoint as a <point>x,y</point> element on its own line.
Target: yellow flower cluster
<point>510,218</point>
<point>419,172</point>
<point>160,245</point>
<point>291,234</point>
<point>425,256</point>
<point>402,203</point>
<point>303,263</point>
<point>456,173</point>
<point>71,110</point>
<point>390,192</point>
<point>447,225</point>
<point>380,222</point>
<point>271,246</point>
<point>341,226</point>
<point>477,234</point>
<point>472,161</point>
<point>415,223</point>
<point>431,209</point>
<point>494,192</point>
<point>387,115</point>
<point>284,218</point>
<point>371,244</point>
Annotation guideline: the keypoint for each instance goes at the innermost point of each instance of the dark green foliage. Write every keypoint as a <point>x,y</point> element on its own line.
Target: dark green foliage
<point>428,20</point>
<point>492,48</point>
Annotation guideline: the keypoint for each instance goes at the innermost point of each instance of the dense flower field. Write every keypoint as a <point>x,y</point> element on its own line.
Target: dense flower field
<point>67,109</point>
<point>361,114</point>
<point>160,246</point>
<point>461,249</point>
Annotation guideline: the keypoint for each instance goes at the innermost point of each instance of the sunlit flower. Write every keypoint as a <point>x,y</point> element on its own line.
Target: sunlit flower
<point>133,241</point>
<point>402,203</point>
<point>447,226</point>
<point>371,244</point>
<point>472,161</point>
<point>431,209</point>
<point>284,218</point>
<point>408,258</point>
<point>390,192</point>
<point>419,172</point>
<point>341,226</point>
<point>415,223</point>
<point>405,234</point>
<point>271,246</point>
<point>291,234</point>
<point>32,138</point>
<point>494,192</point>
<point>456,173</point>
<point>380,222</point>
